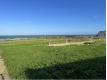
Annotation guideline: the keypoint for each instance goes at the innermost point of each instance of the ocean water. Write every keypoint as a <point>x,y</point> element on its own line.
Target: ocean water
<point>20,36</point>
<point>6,37</point>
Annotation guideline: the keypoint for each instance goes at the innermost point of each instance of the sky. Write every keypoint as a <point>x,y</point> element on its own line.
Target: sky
<point>52,17</point>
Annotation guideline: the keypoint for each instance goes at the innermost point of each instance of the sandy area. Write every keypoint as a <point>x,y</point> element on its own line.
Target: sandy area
<point>3,71</point>
<point>71,43</point>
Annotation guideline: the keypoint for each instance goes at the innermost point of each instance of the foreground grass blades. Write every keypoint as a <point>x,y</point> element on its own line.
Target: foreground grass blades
<point>83,69</point>
<point>35,60</point>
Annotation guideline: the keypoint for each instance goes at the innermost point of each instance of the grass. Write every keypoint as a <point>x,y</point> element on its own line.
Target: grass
<point>34,60</point>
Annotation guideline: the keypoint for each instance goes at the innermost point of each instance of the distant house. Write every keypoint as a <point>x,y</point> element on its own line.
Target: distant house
<point>101,34</point>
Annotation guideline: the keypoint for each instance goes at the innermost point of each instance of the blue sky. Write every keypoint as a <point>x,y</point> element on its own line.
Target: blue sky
<point>30,17</point>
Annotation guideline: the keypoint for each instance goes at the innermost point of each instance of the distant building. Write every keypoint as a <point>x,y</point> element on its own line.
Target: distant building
<point>101,34</point>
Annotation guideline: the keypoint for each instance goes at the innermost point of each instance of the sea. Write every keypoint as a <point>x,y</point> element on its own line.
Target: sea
<point>18,37</point>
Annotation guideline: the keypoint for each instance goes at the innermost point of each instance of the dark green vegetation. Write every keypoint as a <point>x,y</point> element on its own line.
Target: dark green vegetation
<point>34,60</point>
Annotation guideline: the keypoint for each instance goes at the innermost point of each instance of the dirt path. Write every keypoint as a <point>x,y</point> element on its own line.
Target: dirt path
<point>3,71</point>
<point>71,43</point>
<point>63,44</point>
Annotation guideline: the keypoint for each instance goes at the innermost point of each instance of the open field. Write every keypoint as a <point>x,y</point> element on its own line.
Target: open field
<point>34,59</point>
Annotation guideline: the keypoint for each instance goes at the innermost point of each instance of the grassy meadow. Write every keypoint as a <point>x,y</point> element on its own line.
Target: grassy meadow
<point>33,59</point>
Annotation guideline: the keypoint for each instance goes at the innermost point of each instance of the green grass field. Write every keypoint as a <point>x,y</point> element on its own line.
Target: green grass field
<point>33,59</point>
